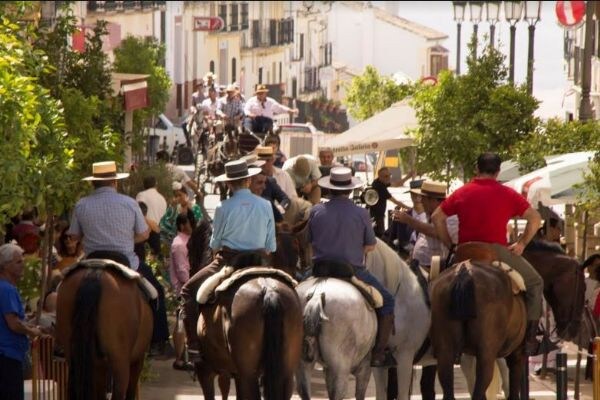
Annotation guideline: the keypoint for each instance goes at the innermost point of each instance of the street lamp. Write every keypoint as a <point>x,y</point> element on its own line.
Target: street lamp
<point>533,10</point>
<point>476,9</point>
<point>492,12</point>
<point>459,17</point>
<point>512,13</point>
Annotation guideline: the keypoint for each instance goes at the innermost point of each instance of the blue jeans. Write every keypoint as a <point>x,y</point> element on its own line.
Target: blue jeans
<point>388,300</point>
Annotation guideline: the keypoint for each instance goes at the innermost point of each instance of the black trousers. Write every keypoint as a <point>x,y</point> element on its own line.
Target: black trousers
<point>11,379</point>
<point>160,331</point>
<point>379,227</point>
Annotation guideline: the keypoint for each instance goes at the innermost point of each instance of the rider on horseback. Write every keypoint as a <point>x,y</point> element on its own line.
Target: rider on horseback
<point>342,232</point>
<point>242,223</point>
<point>260,110</point>
<point>484,208</point>
<point>231,108</point>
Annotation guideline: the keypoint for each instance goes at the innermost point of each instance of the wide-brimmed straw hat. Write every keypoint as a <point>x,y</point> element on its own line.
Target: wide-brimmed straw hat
<point>105,171</point>
<point>261,89</point>
<point>432,189</point>
<point>340,178</point>
<point>235,170</point>
<point>253,161</point>
<point>264,152</point>
<point>231,88</point>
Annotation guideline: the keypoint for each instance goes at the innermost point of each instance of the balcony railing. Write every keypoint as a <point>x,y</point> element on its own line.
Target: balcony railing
<point>268,33</point>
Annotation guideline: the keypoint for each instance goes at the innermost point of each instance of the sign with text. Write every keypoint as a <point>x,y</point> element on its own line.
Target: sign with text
<point>208,24</point>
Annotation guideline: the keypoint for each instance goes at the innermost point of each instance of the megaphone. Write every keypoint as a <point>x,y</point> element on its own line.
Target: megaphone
<point>370,196</point>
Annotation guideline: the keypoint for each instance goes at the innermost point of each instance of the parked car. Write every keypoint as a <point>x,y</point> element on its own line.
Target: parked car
<point>298,128</point>
<point>165,135</point>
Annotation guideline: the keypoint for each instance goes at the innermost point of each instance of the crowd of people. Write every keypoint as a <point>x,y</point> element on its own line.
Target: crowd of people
<point>268,194</point>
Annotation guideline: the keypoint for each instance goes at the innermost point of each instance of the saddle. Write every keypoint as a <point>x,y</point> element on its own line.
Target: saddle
<point>485,253</point>
<point>345,271</point>
<point>229,276</point>
<point>104,263</point>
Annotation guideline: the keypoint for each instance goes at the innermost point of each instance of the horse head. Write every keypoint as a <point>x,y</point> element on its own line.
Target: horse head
<point>564,285</point>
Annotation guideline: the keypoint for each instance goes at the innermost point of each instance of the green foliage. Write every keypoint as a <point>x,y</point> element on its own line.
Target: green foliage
<point>29,285</point>
<point>371,93</point>
<point>164,179</point>
<point>463,116</point>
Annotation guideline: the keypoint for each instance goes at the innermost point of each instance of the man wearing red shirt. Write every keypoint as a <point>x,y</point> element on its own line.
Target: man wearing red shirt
<point>484,207</point>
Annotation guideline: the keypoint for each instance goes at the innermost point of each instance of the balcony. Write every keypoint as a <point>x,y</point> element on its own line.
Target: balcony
<point>268,33</point>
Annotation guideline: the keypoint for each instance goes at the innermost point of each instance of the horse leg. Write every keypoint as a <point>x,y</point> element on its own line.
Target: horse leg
<point>288,386</point>
<point>428,382</point>
<point>516,362</point>
<point>445,367</point>
<point>362,373</point>
<point>485,370</point>
<point>134,375</point>
<point>303,374</point>
<point>381,382</point>
<point>336,382</point>
<point>224,384</point>
<point>206,379</point>
<point>404,373</point>
<point>247,388</point>
<point>120,375</point>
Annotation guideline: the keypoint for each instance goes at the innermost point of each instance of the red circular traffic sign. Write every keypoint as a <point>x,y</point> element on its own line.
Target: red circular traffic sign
<point>570,13</point>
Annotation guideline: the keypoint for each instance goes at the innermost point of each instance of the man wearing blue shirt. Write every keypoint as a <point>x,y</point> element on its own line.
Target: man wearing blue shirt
<point>244,222</point>
<point>13,329</point>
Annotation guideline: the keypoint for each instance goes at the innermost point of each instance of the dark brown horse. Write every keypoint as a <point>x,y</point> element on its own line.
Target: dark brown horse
<point>104,324</point>
<point>475,312</point>
<point>221,153</point>
<point>252,332</point>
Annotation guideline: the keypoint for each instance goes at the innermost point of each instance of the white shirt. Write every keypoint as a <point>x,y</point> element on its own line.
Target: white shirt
<point>271,107</point>
<point>427,246</point>
<point>211,107</point>
<point>285,182</point>
<point>157,205</point>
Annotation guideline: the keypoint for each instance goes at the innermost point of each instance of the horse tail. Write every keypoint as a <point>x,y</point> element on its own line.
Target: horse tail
<point>462,296</point>
<point>83,337</point>
<point>314,314</point>
<point>273,351</point>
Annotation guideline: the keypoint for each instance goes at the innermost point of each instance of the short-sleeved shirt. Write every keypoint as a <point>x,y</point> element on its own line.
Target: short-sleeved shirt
<point>484,206</point>
<point>378,209</point>
<point>427,246</point>
<point>339,230</point>
<point>244,222</point>
<point>12,345</point>
<point>108,220</point>
<point>299,181</point>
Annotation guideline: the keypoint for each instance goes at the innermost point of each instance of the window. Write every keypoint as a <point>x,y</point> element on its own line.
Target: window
<point>439,62</point>
<point>234,18</point>
<point>223,14</point>
<point>274,65</point>
<point>260,73</point>
<point>211,67</point>
<point>255,33</point>
<point>280,72</point>
<point>233,69</point>
<point>244,15</point>
<point>294,87</point>
<point>273,32</point>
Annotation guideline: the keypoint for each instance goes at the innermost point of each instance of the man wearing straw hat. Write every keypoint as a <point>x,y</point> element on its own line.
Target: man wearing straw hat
<point>242,223</point>
<point>341,231</point>
<point>107,221</point>
<point>261,109</point>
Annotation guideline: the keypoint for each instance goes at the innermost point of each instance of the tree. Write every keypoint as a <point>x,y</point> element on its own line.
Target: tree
<point>371,93</point>
<point>463,116</point>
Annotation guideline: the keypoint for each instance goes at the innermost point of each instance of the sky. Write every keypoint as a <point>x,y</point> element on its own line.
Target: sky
<point>549,79</point>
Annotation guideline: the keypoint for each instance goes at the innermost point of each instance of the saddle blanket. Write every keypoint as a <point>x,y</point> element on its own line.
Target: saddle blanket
<point>371,295</point>
<point>228,276</point>
<point>125,271</point>
<point>518,283</point>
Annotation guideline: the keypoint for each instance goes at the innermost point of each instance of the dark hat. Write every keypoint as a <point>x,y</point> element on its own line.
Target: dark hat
<point>415,184</point>
<point>235,170</point>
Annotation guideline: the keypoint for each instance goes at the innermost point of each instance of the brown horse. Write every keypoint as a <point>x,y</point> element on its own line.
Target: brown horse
<point>253,331</point>
<point>104,324</point>
<point>222,152</point>
<point>475,312</point>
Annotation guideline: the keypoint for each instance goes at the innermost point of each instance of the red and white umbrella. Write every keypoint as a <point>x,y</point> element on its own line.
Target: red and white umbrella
<point>554,184</point>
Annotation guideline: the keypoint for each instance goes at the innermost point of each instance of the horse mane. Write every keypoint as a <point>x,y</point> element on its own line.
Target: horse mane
<point>544,245</point>
<point>391,270</point>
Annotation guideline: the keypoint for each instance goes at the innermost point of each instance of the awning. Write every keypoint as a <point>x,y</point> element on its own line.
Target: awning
<point>381,132</point>
<point>554,183</point>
